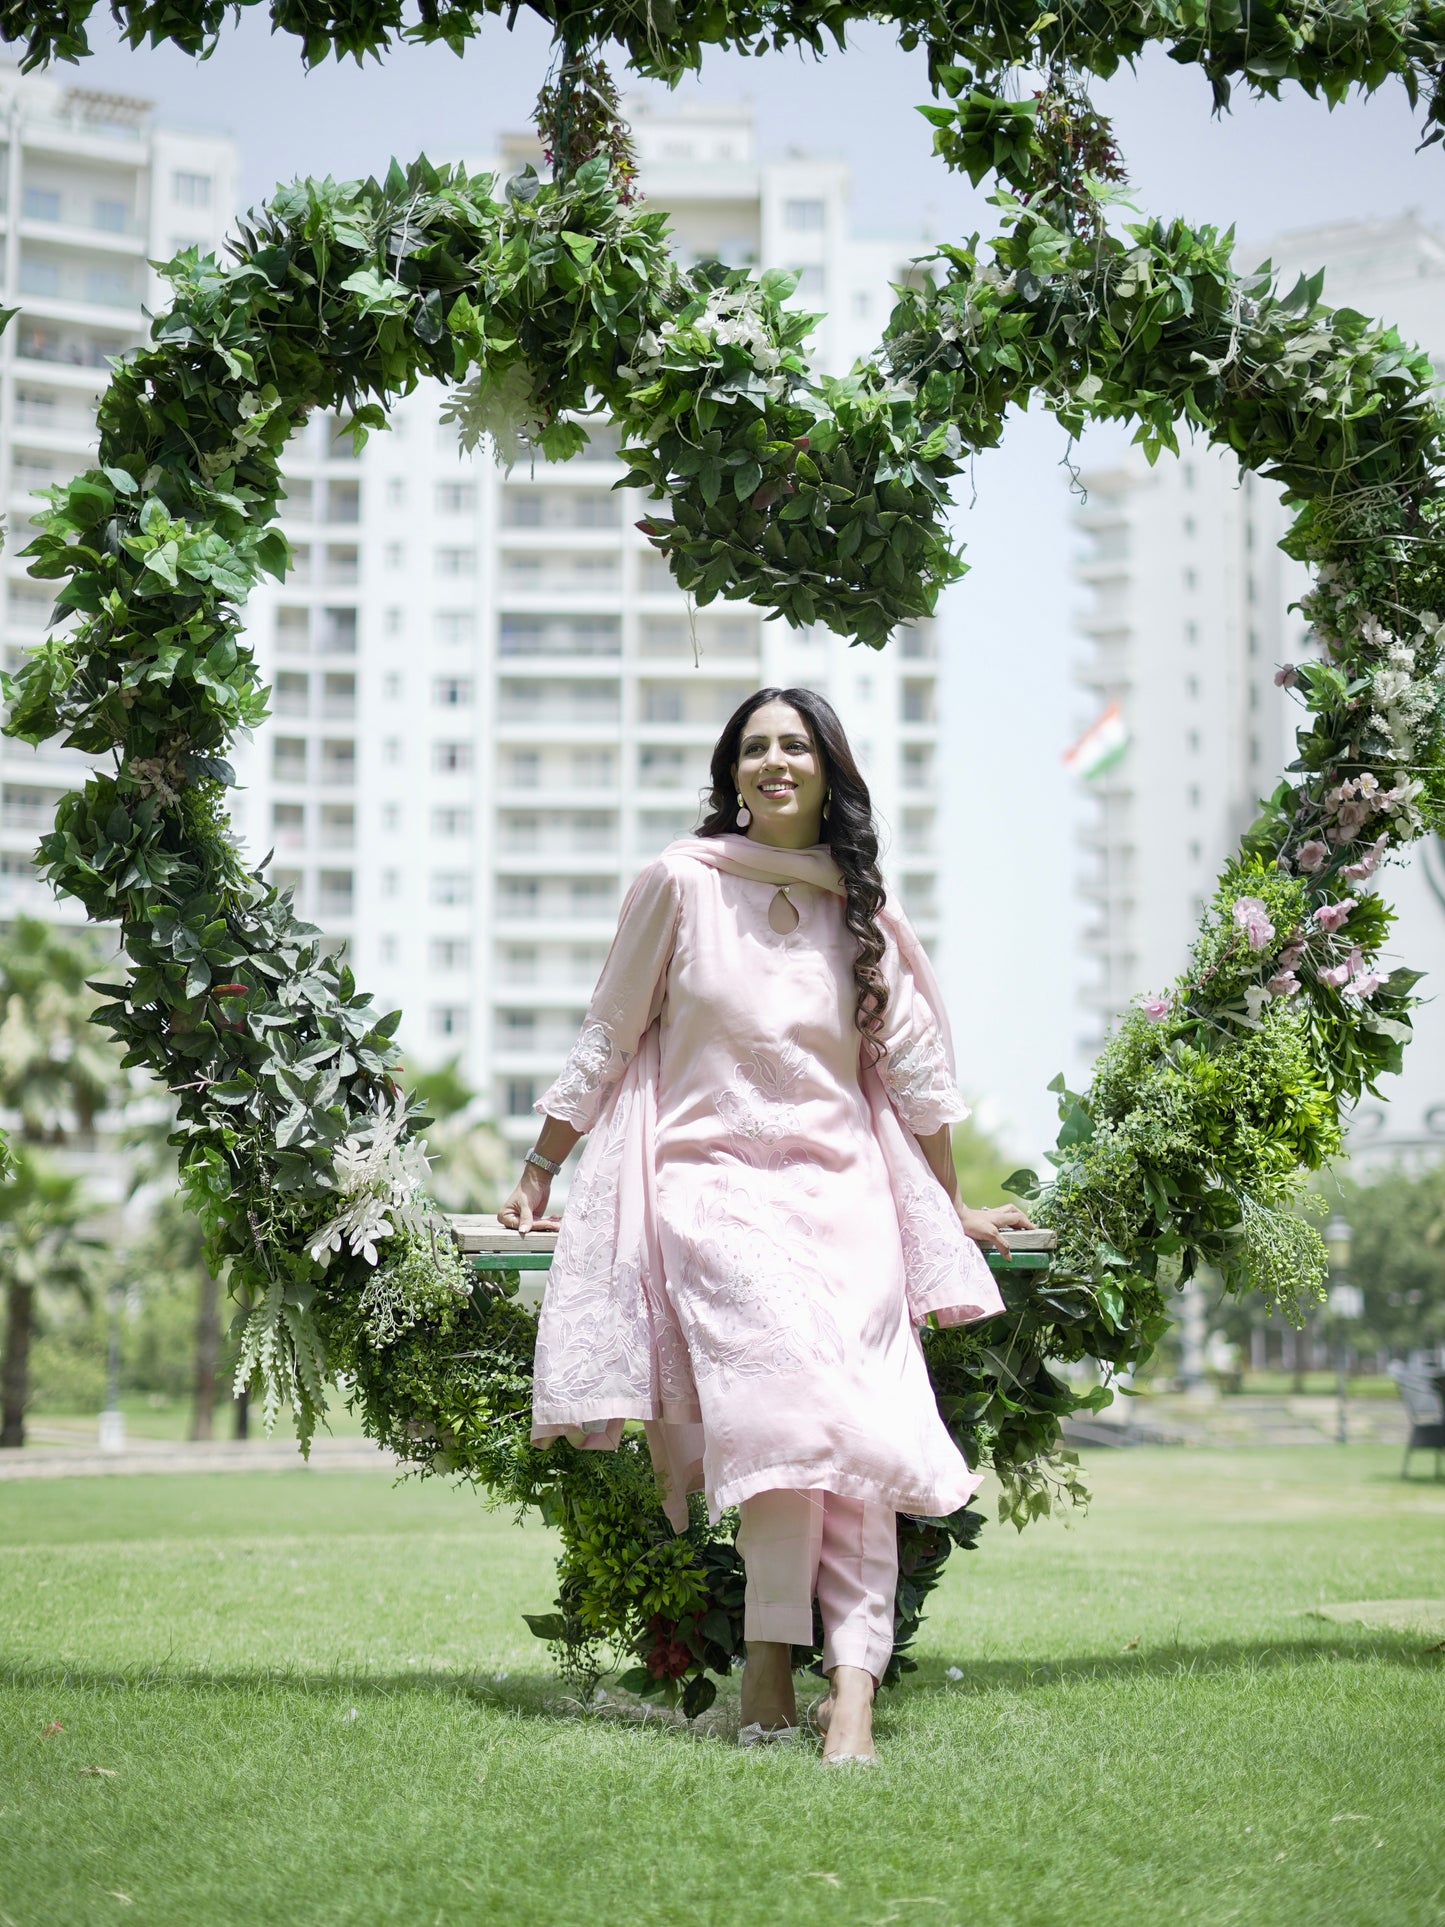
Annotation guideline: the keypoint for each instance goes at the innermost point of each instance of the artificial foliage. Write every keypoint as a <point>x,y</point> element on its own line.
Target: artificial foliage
<point>549,304</point>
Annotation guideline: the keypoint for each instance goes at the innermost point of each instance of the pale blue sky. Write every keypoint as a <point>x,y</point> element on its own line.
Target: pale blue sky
<point>1010,703</point>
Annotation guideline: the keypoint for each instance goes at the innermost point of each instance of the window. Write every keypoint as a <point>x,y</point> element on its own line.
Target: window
<point>288,825</point>
<point>39,277</point>
<point>519,962</point>
<point>452,692</point>
<point>519,1094</point>
<point>451,758</point>
<point>593,769</point>
<point>396,492</point>
<point>456,561</point>
<point>521,510</point>
<point>449,822</point>
<point>391,816</point>
<point>804,217</point>
<point>292,692</point>
<point>1191,580</point>
<point>449,1020</point>
<point>338,826</point>
<point>451,886</point>
<point>41,204</point>
<point>338,760</point>
<point>524,769</point>
<point>516,1029</point>
<point>293,631</point>
<point>391,687</point>
<point>109,287</point>
<point>298,502</point>
<point>862,303</point>
<point>338,695</point>
<point>337,892</point>
<point>391,883</point>
<point>456,498</point>
<point>391,749</point>
<point>396,622</point>
<point>917,765</point>
<point>451,953</point>
<point>1191,739</point>
<point>388,949</point>
<point>338,632</point>
<point>191,190</point>
<point>394,555</point>
<point>918,702</point>
<point>343,502</point>
<point>288,759</point>
<point>811,279</point>
<point>455,625</point>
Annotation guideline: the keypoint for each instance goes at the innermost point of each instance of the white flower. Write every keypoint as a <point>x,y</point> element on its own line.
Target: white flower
<point>381,1178</point>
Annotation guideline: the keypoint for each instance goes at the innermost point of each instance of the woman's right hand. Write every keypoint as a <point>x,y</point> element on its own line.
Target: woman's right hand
<point>526,1209</point>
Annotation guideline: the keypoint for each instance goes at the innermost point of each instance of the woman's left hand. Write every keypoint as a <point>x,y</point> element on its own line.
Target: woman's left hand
<point>984,1226</point>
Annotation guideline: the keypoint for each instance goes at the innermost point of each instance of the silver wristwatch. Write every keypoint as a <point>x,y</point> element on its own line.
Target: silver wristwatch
<point>550,1165</point>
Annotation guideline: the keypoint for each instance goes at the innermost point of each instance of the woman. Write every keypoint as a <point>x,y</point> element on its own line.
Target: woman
<point>767,1206</point>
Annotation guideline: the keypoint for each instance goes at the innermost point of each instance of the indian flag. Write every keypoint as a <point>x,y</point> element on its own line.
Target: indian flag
<point>1101,747</point>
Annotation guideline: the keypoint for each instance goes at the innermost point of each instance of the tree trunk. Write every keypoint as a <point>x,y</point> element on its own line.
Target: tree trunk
<point>208,1351</point>
<point>243,1413</point>
<point>15,1379</point>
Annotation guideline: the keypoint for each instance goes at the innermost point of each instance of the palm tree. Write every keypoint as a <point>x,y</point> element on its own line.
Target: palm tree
<point>57,1074</point>
<point>41,1210</point>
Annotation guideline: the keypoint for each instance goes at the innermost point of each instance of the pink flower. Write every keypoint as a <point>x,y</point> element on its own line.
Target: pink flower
<point>1365,985</point>
<point>1368,863</point>
<point>1286,676</point>
<point>1352,817</point>
<point>1290,957</point>
<point>1284,983</point>
<point>1337,974</point>
<point>1330,916</point>
<point>1253,919</point>
<point>1356,961</point>
<point>1310,856</point>
<point>1156,1009</point>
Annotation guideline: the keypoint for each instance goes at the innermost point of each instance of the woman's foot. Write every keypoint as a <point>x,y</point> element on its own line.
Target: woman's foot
<point>768,1699</point>
<point>845,1718</point>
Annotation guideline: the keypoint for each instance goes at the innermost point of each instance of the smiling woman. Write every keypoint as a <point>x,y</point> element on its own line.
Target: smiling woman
<point>767,1205</point>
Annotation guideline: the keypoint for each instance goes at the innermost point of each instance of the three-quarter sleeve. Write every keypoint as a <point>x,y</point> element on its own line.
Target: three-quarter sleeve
<point>628,997</point>
<point>916,1069</point>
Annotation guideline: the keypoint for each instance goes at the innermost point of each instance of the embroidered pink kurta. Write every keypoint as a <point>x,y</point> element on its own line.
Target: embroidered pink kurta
<point>753,1230</point>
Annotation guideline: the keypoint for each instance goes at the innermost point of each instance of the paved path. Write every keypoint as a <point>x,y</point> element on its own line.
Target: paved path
<point>60,1452</point>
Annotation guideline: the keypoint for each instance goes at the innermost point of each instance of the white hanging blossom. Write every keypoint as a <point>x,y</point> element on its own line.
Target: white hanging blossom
<point>381,1178</point>
<point>731,318</point>
<point>501,407</point>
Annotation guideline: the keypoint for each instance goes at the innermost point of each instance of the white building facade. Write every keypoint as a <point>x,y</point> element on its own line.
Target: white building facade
<point>91,191</point>
<point>1187,620</point>
<point>487,711</point>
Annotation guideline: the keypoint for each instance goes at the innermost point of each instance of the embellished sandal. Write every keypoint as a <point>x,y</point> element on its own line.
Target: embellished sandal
<point>850,1759</point>
<point>756,1734</point>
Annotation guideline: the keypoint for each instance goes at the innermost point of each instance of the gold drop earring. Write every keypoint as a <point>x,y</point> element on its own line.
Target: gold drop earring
<point>745,815</point>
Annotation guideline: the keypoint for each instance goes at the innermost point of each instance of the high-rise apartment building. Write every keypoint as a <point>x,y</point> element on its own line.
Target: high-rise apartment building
<point>492,705</point>
<point>1189,616</point>
<point>91,191</point>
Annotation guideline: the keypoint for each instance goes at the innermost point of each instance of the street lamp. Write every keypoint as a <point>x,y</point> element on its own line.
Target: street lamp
<point>1346,1303</point>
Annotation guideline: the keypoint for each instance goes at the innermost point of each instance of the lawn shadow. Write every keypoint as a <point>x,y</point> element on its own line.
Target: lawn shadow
<point>543,1696</point>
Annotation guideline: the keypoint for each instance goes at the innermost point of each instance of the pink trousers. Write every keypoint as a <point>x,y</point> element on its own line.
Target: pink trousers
<point>798,1544</point>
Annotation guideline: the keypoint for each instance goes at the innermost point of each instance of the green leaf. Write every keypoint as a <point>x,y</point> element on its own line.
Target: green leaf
<point>546,1625</point>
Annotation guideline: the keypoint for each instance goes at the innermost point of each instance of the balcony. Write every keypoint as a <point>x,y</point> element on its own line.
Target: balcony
<point>561,702</point>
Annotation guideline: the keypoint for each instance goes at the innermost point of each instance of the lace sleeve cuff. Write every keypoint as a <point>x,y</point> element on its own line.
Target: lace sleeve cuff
<point>920,1087</point>
<point>594,1062</point>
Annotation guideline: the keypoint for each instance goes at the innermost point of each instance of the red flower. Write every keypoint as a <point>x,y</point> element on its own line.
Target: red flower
<point>668,1657</point>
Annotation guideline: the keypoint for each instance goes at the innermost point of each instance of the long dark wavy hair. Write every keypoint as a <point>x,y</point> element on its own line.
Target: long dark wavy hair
<point>848,830</point>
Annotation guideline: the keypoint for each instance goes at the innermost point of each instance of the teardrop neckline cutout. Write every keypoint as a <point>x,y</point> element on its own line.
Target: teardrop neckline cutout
<point>782,914</point>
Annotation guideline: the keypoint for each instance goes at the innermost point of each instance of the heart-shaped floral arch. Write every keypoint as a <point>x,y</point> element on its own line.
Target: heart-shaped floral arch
<point>821,501</point>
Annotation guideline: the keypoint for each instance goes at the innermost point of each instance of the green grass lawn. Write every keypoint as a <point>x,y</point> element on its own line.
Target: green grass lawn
<point>314,1701</point>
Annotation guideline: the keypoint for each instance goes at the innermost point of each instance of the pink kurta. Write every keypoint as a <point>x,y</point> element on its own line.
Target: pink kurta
<point>751,1233</point>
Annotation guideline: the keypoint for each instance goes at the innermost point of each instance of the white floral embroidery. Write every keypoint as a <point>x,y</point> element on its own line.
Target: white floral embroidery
<point>917,1080</point>
<point>757,1106</point>
<point>752,1304</point>
<point>943,1268</point>
<point>594,1061</point>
